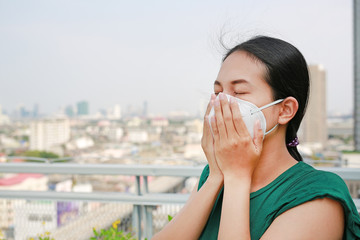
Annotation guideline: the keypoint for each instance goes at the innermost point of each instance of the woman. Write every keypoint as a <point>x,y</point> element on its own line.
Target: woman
<point>255,185</point>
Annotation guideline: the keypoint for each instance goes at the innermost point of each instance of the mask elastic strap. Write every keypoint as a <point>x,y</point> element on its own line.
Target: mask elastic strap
<point>267,105</point>
<point>271,130</point>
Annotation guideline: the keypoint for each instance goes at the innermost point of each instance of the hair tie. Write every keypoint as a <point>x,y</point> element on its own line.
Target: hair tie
<point>293,143</point>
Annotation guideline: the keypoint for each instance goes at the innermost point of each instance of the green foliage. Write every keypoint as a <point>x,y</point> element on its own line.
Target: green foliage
<point>22,138</point>
<point>45,236</point>
<point>112,233</point>
<point>104,234</point>
<point>350,152</point>
<point>1,235</point>
<point>40,154</point>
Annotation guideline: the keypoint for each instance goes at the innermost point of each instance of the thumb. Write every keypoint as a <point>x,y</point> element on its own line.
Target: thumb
<point>258,136</point>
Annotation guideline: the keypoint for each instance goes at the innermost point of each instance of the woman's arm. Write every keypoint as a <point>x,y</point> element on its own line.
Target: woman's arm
<point>316,219</point>
<point>190,221</point>
<point>237,155</point>
<point>234,223</point>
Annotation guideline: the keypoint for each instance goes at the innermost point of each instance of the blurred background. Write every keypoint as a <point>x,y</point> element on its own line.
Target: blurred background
<point>126,83</point>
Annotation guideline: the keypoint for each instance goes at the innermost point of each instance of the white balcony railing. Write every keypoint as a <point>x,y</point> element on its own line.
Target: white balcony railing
<point>142,200</point>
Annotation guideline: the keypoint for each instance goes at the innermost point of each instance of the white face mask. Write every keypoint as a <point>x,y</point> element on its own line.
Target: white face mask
<point>250,113</point>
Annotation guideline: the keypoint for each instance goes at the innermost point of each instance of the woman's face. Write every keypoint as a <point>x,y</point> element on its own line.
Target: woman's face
<point>243,77</point>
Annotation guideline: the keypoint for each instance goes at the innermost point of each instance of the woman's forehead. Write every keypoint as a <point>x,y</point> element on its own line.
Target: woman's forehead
<point>239,67</point>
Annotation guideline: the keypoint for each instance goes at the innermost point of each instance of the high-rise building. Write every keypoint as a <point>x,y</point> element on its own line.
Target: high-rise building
<point>313,127</point>
<point>48,133</point>
<point>4,119</point>
<point>114,112</point>
<point>22,111</point>
<point>356,7</point>
<point>83,108</point>
<point>69,111</point>
<point>35,112</point>
<point>130,111</point>
<point>117,111</point>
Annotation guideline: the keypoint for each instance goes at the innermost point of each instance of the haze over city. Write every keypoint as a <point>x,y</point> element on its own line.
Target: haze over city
<point>56,53</point>
<point>102,129</point>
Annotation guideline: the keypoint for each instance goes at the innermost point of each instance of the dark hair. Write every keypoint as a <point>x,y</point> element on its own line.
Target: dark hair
<point>286,73</point>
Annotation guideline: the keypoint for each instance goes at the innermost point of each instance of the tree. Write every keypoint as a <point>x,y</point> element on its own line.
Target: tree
<point>40,154</point>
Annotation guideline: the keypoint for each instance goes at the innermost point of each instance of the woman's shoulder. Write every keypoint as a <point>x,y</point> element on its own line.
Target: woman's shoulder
<point>313,184</point>
<point>309,183</point>
<point>310,179</point>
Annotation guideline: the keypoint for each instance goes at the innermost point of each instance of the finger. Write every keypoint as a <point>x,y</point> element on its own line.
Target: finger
<point>219,119</point>
<point>227,115</point>
<point>209,106</point>
<point>239,124</point>
<point>215,129</point>
<point>207,129</point>
<point>206,119</point>
<point>258,136</point>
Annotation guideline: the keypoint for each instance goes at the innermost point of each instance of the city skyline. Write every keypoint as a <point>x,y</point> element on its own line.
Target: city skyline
<point>129,110</point>
<point>56,54</point>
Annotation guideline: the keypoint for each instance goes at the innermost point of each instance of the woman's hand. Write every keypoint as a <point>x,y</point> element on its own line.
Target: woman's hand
<point>237,154</point>
<point>207,143</point>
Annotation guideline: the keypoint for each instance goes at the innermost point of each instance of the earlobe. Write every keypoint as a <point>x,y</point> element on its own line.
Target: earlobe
<point>288,110</point>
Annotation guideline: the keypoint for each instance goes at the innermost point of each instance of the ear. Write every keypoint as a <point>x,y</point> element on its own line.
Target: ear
<point>288,110</point>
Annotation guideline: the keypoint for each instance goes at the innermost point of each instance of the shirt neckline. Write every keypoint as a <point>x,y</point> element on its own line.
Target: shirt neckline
<point>277,179</point>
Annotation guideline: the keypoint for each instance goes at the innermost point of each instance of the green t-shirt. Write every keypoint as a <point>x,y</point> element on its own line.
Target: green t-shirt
<point>299,184</point>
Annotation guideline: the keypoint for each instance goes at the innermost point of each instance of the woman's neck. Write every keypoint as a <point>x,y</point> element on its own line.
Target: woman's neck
<point>274,160</point>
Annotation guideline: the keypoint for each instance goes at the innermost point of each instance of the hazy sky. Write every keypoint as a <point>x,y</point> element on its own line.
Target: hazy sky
<point>56,53</point>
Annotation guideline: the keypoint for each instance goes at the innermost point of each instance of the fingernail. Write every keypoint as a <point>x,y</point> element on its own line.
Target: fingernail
<point>231,100</point>
<point>217,102</point>
<point>221,96</point>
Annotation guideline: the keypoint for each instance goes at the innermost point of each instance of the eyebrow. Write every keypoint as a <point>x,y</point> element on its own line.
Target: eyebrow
<point>237,81</point>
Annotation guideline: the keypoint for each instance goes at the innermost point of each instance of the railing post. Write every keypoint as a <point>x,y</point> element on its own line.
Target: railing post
<point>137,211</point>
<point>149,221</point>
<point>146,184</point>
<point>148,212</point>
